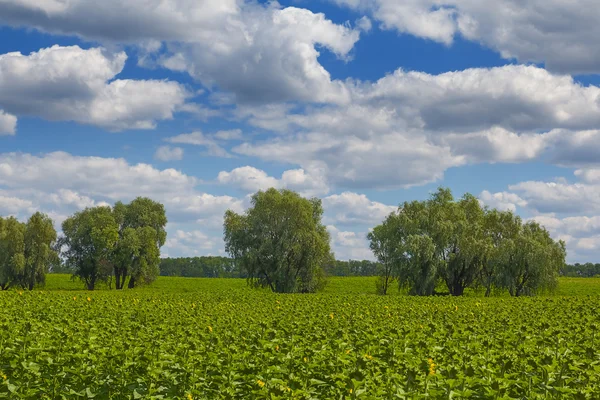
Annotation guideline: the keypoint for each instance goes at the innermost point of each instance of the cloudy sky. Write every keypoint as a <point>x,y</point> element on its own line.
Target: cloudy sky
<point>364,103</point>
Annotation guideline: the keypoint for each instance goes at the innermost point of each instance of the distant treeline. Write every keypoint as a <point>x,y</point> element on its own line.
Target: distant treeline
<point>224,267</point>
<point>587,270</point>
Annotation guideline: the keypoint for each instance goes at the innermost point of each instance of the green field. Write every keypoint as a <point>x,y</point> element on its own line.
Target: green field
<point>187,338</point>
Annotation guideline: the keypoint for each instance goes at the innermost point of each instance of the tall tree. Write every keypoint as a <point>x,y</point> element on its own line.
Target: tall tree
<point>280,241</point>
<point>39,252</point>
<point>142,232</point>
<point>12,251</point>
<point>501,228</point>
<point>385,248</point>
<point>89,240</point>
<point>466,249</point>
<point>532,261</point>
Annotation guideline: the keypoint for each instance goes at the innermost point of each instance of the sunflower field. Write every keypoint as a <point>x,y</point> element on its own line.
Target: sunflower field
<point>217,339</point>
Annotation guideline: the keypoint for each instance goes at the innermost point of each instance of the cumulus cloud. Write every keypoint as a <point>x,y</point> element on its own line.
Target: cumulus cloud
<point>8,123</point>
<point>409,127</point>
<point>168,153</point>
<point>348,245</point>
<point>189,243</point>
<point>557,33</point>
<point>209,142</point>
<point>259,53</point>
<point>253,179</point>
<point>12,205</point>
<point>383,161</point>
<point>70,83</point>
<point>60,184</point>
<point>559,197</point>
<point>353,209</point>
<point>503,201</point>
<point>568,210</point>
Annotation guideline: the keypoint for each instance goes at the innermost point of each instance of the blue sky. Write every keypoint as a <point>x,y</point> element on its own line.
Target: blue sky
<point>363,103</point>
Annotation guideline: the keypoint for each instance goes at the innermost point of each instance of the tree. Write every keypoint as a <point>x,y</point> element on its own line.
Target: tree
<point>385,248</point>
<point>465,241</point>
<point>532,261</point>
<point>39,253</point>
<point>463,245</point>
<point>12,251</point>
<point>280,241</point>
<point>141,234</point>
<point>89,240</point>
<point>501,228</point>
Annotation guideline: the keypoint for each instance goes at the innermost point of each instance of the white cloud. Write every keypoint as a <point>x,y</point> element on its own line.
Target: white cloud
<point>379,161</point>
<point>589,175</point>
<point>112,178</point>
<point>8,124</point>
<point>70,83</point>
<point>364,24</point>
<point>409,127</point>
<point>558,33</point>
<point>355,209</point>
<point>259,53</point>
<point>253,179</point>
<point>568,210</point>
<point>189,243</point>
<point>559,197</point>
<point>417,17</point>
<point>60,184</point>
<point>213,148</point>
<point>233,134</point>
<point>11,205</point>
<point>503,201</point>
<point>349,245</point>
<point>168,153</point>
<point>248,178</point>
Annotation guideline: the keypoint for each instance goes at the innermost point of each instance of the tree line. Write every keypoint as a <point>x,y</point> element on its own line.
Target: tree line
<point>281,243</point>
<point>587,270</point>
<point>461,244</point>
<point>225,267</point>
<point>117,245</point>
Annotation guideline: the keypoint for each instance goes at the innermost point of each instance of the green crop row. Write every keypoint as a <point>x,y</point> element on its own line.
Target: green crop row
<point>227,341</point>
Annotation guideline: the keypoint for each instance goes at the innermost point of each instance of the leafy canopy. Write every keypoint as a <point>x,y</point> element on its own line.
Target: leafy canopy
<point>280,241</point>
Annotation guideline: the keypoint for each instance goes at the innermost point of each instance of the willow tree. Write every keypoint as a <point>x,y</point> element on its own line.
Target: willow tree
<point>39,253</point>
<point>463,244</point>
<point>12,251</point>
<point>280,241</point>
<point>531,261</point>
<point>142,232</point>
<point>89,238</point>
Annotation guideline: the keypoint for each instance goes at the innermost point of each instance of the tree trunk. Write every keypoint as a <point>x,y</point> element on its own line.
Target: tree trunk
<point>131,283</point>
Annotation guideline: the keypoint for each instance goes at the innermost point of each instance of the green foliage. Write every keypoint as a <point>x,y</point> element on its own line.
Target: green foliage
<point>12,251</point>
<point>464,245</point>
<point>200,267</point>
<point>136,255</point>
<point>26,251</point>
<point>280,241</point>
<point>121,242</point>
<point>217,339</point>
<point>353,268</point>
<point>39,253</point>
<point>89,240</point>
<point>587,270</point>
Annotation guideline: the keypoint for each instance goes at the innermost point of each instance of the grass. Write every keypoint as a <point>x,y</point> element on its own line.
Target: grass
<point>335,285</point>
